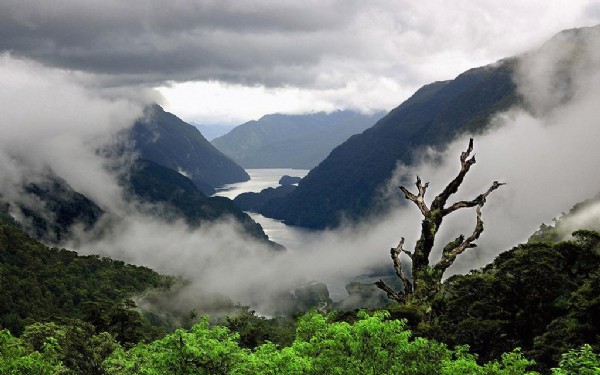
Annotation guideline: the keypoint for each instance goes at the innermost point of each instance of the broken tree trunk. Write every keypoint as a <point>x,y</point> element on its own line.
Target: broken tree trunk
<point>427,279</point>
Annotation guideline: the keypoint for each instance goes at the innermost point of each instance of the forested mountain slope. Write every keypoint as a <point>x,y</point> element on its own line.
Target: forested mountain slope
<point>41,284</point>
<point>540,296</point>
<point>167,140</point>
<point>174,196</point>
<point>51,210</point>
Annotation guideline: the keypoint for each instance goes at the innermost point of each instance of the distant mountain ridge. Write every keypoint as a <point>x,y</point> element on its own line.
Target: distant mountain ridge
<point>167,140</point>
<point>292,141</point>
<point>211,132</point>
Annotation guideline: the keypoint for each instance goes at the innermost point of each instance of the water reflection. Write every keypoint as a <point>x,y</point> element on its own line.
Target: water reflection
<point>259,179</point>
<point>288,236</point>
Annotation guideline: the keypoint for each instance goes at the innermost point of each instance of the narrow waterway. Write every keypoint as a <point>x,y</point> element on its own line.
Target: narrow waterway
<point>290,237</point>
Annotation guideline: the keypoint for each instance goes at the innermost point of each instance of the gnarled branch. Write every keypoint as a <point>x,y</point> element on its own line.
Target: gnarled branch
<point>480,200</point>
<point>419,199</point>
<point>465,164</point>
<point>426,279</point>
<point>450,253</point>
<point>391,293</point>
<point>395,254</point>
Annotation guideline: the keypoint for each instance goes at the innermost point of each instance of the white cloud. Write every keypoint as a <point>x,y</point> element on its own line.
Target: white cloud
<point>52,122</point>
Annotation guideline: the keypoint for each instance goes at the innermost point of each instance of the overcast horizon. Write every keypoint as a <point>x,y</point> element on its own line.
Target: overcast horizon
<point>226,62</point>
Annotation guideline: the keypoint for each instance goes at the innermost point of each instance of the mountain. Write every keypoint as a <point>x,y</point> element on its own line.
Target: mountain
<point>211,132</point>
<point>291,141</point>
<point>173,196</point>
<point>345,183</point>
<point>167,140</point>
<point>53,210</point>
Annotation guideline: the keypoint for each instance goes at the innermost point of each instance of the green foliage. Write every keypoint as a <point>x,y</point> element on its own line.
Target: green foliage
<point>372,345</point>
<point>40,284</point>
<point>16,358</point>
<point>542,297</point>
<point>76,345</point>
<point>255,330</point>
<point>579,362</point>
<point>201,350</point>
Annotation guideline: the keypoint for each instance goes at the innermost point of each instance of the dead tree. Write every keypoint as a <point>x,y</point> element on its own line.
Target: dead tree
<point>426,280</point>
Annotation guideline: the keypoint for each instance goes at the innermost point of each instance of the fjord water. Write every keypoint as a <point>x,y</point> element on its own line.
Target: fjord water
<point>290,237</point>
<point>259,179</point>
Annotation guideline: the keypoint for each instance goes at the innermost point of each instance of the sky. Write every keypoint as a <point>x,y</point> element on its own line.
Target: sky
<point>228,62</point>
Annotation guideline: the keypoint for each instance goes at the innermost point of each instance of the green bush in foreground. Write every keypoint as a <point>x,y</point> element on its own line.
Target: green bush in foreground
<point>372,345</point>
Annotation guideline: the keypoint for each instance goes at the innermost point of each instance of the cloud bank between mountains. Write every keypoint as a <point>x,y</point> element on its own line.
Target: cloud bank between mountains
<point>547,155</point>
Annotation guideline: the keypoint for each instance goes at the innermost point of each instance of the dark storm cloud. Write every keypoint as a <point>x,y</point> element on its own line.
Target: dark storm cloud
<point>318,44</point>
<point>148,41</point>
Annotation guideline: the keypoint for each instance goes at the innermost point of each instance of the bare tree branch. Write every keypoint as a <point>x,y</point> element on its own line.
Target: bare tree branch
<point>395,254</point>
<point>472,203</point>
<point>419,199</point>
<point>450,253</point>
<point>465,164</point>
<point>391,293</point>
<point>426,279</point>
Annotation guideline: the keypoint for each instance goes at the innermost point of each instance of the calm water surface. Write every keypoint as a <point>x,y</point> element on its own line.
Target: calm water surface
<point>290,237</point>
<point>259,179</point>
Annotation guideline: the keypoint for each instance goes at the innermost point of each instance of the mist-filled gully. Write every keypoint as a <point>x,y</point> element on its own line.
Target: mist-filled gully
<point>547,154</point>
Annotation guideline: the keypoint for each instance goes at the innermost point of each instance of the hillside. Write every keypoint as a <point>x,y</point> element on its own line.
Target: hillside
<point>292,141</point>
<point>167,140</point>
<point>52,209</point>
<point>345,183</point>
<point>541,297</point>
<point>49,284</point>
<point>174,196</point>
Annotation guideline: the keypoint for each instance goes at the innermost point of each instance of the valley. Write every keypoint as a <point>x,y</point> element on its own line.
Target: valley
<point>398,198</point>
